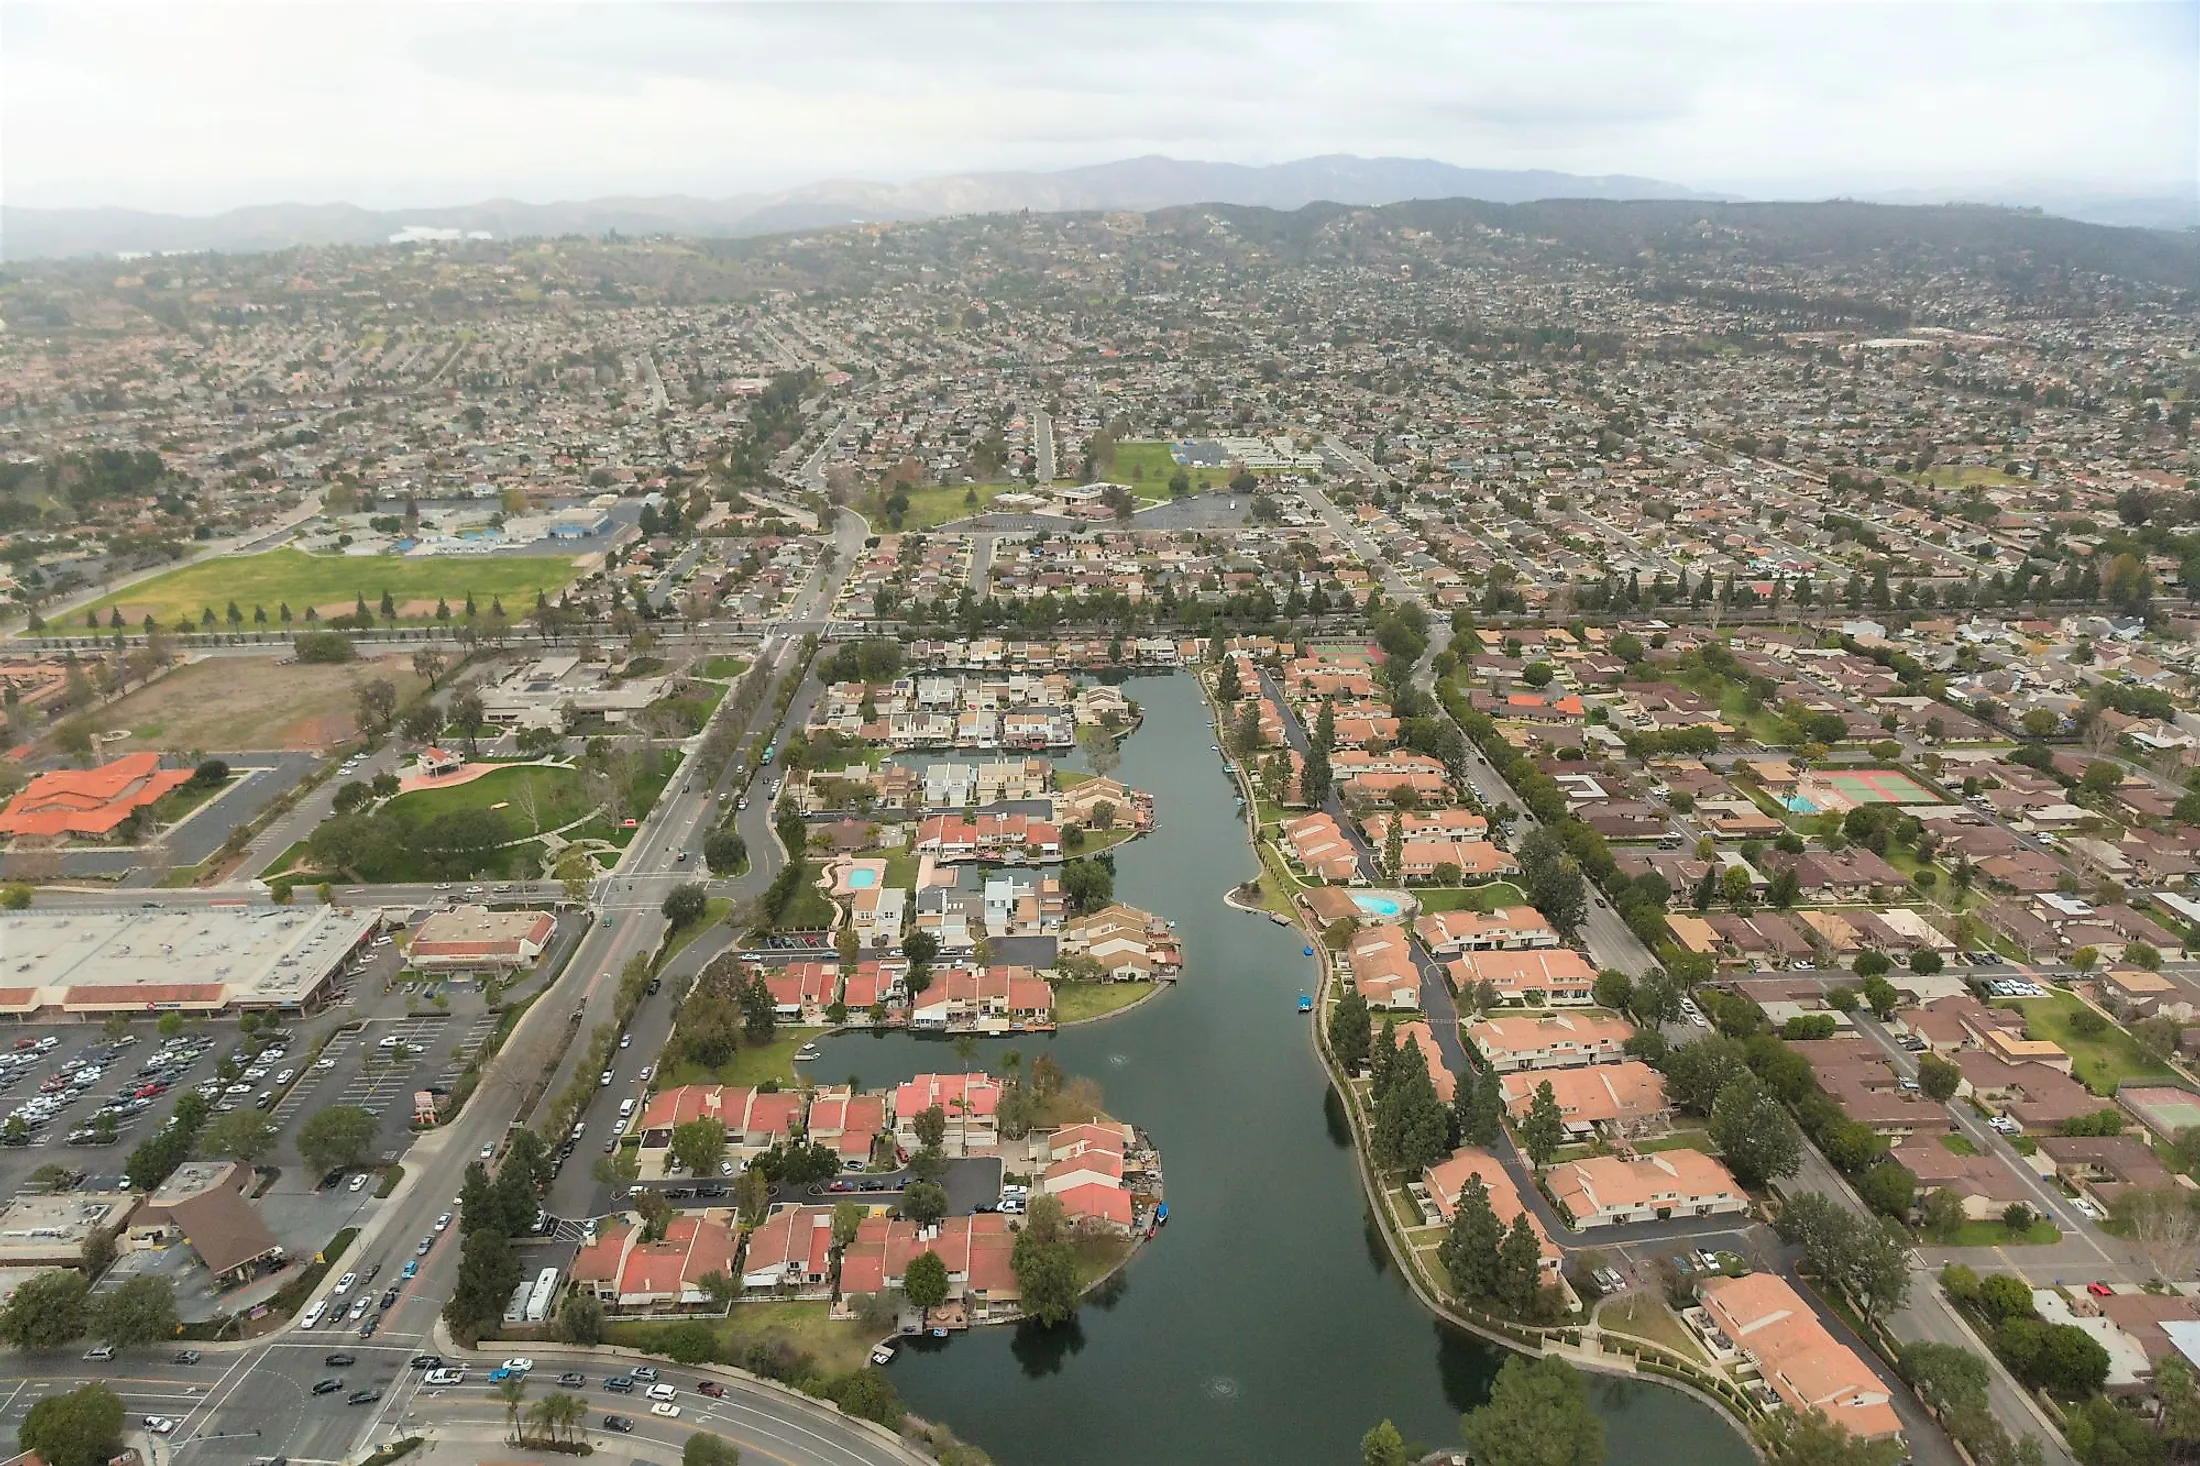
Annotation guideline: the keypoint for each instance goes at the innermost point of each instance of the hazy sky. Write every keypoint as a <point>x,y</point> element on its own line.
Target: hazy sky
<point>195,106</point>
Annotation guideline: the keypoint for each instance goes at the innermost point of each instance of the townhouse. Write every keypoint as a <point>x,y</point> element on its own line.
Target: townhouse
<point>1380,960</point>
<point>1550,1041</point>
<point>976,1250</point>
<point>1600,1191</point>
<point>993,999</point>
<point>790,1254</point>
<point>1624,1099</point>
<point>623,1272</point>
<point>1766,1321</point>
<point>1449,1176</point>
<point>971,1103</point>
<point>1127,943</point>
<point>1556,977</point>
<point>1452,934</point>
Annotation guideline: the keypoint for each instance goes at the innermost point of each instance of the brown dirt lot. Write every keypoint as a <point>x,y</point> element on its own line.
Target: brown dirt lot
<point>230,703</point>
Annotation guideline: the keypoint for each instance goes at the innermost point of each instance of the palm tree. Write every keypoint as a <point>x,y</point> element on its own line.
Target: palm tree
<point>962,1122</point>
<point>512,1390</point>
<point>544,1414</point>
<point>570,1409</point>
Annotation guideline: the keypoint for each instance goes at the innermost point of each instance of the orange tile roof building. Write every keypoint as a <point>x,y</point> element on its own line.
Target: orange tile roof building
<point>1550,1041</point>
<point>791,1253</point>
<point>1448,1177</point>
<point>88,802</point>
<point>1805,1365</point>
<point>1557,977</point>
<point>976,1250</point>
<point>619,1268</point>
<point>1628,1095</point>
<point>971,1126</point>
<point>1604,1190</point>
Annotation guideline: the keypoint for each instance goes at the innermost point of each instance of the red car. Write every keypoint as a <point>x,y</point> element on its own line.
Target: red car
<point>147,1091</point>
<point>2098,1290</point>
<point>711,1388</point>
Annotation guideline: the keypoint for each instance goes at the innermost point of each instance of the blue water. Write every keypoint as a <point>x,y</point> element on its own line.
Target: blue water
<point>1376,905</point>
<point>861,879</point>
<point>1798,804</point>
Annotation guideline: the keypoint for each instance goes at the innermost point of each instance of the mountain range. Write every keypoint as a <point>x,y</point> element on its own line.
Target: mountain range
<point>1132,184</point>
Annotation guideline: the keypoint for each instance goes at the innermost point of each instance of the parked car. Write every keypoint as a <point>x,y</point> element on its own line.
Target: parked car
<point>645,1372</point>
<point>340,1361</point>
<point>663,1392</point>
<point>327,1386</point>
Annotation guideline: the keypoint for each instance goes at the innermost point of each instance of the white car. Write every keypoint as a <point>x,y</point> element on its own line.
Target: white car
<point>445,1377</point>
<point>519,1366</point>
<point>626,1040</point>
<point>443,1222</point>
<point>344,1283</point>
<point>324,1063</point>
<point>359,1183</point>
<point>670,1412</point>
<point>159,1424</point>
<point>664,1392</point>
<point>605,1081</point>
<point>2087,1209</point>
<point>286,1076</point>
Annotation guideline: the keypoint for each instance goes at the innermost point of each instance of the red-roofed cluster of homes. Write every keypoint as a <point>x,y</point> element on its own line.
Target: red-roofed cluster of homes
<point>89,802</point>
<point>953,837</point>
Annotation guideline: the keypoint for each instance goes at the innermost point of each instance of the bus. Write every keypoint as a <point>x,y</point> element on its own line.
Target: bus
<point>538,1298</point>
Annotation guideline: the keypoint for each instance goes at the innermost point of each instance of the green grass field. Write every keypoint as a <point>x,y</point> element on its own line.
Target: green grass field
<point>723,667</point>
<point>1074,1002</point>
<point>807,1327</point>
<point>2099,1063</point>
<point>1485,899</point>
<point>931,507</point>
<point>1146,467</point>
<point>1991,1233</point>
<point>334,583</point>
<point>558,793</point>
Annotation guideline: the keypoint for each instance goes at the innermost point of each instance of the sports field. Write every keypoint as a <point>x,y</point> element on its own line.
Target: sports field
<point>1146,467</point>
<point>2166,1110</point>
<point>1871,786</point>
<point>332,585</point>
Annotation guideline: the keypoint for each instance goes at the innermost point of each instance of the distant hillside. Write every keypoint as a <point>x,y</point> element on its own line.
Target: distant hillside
<point>1132,184</point>
<point>1881,239</point>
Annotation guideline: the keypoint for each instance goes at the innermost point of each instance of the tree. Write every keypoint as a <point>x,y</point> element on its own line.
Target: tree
<point>2180,1397</point>
<point>241,1135</point>
<point>1870,964</point>
<point>684,905</point>
<point>512,1391</point>
<point>467,714</point>
<point>1814,1440</point>
<point>705,1449</point>
<point>81,1428</point>
<point>1945,1376</point>
<point>1754,1132</point>
<point>1939,1078</point>
<point>924,1282</point>
<point>1889,1189</point>
<point>1383,1446</point>
<point>1543,1129</point>
<point>1411,1129</point>
<point>2054,1356</point>
<point>1478,1108</point>
<point>1469,1249</point>
<point>2163,1223</point>
<point>141,1310</point>
<point>1044,1264</point>
<point>1519,1267</point>
<point>1350,1029</point>
<point>924,1202</point>
<point>377,705</point>
<point>725,852</point>
<point>341,1135</point>
<point>1538,1415</point>
<point>1879,994</point>
<point>581,1318</point>
<point>47,1312</point>
<point>698,1147</point>
<point>1943,1216</point>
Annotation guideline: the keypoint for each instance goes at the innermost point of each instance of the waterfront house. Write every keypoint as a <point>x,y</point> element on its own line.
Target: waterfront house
<point>1604,1190</point>
<point>1627,1097</point>
<point>1809,1369</point>
<point>1448,1177</point>
<point>1555,977</point>
<point>1451,934</point>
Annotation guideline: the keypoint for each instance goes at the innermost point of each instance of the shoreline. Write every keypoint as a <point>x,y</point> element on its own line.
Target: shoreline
<point>1619,1367</point>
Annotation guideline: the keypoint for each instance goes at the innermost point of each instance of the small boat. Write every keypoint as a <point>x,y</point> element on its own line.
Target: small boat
<point>805,1053</point>
<point>1161,1214</point>
<point>1306,951</point>
<point>1306,1003</point>
<point>883,1354</point>
<point>939,1333</point>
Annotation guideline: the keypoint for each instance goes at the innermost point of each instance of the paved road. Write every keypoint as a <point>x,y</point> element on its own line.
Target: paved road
<point>1042,446</point>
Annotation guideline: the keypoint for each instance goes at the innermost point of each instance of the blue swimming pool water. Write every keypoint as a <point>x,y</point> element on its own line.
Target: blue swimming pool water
<point>1377,905</point>
<point>1798,804</point>
<point>862,879</point>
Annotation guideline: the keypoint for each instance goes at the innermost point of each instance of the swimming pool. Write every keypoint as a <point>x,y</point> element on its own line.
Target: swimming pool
<point>1799,804</point>
<point>862,878</point>
<point>1377,905</point>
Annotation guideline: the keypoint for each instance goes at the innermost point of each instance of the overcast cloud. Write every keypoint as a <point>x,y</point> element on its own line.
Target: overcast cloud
<point>196,107</point>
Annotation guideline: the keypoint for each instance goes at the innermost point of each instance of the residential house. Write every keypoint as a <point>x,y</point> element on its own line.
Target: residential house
<point>790,1254</point>
<point>1381,962</point>
<point>971,1103</point>
<point>1448,1177</point>
<point>1627,1097</point>
<point>1126,942</point>
<point>1537,978</point>
<point>1450,934</point>
<point>623,1272</point>
<point>1809,1369</point>
<point>1552,1041</point>
<point>1604,1190</point>
<point>976,1250</point>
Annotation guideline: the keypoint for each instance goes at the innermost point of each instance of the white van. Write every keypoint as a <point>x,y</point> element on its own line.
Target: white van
<point>626,1108</point>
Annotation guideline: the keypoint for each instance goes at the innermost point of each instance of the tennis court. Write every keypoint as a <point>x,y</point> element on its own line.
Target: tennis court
<point>1873,786</point>
<point>2165,1109</point>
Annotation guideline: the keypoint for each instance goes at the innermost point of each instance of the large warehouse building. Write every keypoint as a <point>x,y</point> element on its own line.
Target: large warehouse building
<point>89,964</point>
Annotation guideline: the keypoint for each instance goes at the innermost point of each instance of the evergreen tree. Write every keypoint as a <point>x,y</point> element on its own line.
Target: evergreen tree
<point>1325,727</point>
<point>1394,845</point>
<point>1543,1129</point>
<point>1411,1124</point>
<point>1315,778</point>
<point>1350,1030</point>
<point>1227,687</point>
<point>1519,1264</point>
<point>1469,1250</point>
<point>1478,1107</point>
<point>1381,1058</point>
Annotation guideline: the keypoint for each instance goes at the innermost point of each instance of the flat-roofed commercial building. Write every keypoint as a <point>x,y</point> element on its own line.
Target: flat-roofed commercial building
<point>476,939</point>
<point>90,964</point>
<point>50,1231</point>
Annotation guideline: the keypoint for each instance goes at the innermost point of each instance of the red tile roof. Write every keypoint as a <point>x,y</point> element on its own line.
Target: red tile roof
<point>89,801</point>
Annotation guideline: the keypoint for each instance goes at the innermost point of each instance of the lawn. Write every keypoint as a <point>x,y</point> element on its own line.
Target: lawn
<point>811,909</point>
<point>937,504</point>
<point>231,703</point>
<point>837,1347</point>
<point>559,794</point>
<point>1958,1144</point>
<point>1643,1316</point>
<point>2101,1062</point>
<point>714,911</point>
<point>1484,899</point>
<point>1074,1002</point>
<point>1991,1233</point>
<point>333,583</point>
<point>750,1067</point>
<point>1678,1140</point>
<point>1068,779</point>
<point>1145,466</point>
<point>723,667</point>
<point>1097,1255</point>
